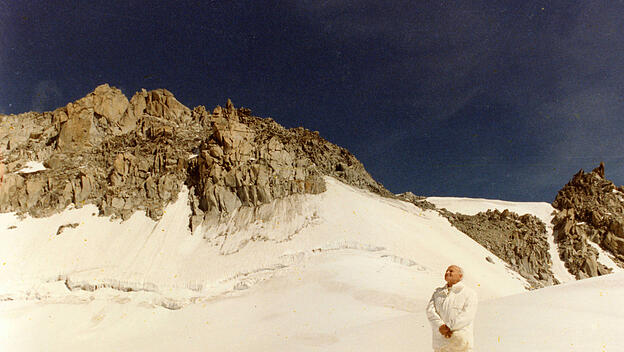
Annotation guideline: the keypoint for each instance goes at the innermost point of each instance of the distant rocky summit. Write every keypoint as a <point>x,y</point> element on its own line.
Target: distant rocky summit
<point>127,155</point>
<point>591,212</point>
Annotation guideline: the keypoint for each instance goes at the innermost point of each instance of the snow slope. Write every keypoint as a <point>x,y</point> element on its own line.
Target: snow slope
<point>141,254</point>
<point>343,270</point>
<point>320,307</point>
<point>579,316</point>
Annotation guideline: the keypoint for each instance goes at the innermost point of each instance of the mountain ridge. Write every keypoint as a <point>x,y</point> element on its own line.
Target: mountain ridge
<point>126,155</point>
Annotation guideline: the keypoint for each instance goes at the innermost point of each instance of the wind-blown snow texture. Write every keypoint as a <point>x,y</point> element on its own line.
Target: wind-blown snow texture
<point>355,273</point>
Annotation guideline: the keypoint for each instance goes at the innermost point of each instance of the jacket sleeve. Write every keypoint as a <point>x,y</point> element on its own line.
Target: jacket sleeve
<point>466,314</point>
<point>432,314</point>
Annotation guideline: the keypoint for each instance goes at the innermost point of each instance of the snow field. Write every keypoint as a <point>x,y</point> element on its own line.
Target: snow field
<point>142,254</point>
<point>355,275</point>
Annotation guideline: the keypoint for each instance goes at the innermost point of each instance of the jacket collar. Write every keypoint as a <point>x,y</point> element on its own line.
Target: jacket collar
<point>456,288</point>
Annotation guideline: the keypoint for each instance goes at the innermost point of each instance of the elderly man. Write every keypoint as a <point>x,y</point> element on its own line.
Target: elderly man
<point>451,311</point>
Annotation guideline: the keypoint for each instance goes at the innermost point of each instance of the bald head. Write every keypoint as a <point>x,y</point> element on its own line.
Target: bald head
<point>453,275</point>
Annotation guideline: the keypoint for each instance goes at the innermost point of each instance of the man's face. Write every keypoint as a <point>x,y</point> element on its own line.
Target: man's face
<point>452,275</point>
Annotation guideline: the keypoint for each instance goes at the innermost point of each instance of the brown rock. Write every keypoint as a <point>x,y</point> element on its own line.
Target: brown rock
<point>118,203</point>
<point>590,266</point>
<point>9,191</point>
<point>78,132</point>
<point>199,114</point>
<point>228,201</point>
<point>110,103</point>
<point>151,188</point>
<point>617,227</point>
<point>600,170</point>
<point>82,189</point>
<point>166,187</point>
<point>60,116</point>
<point>162,103</point>
<point>139,102</point>
<point>120,165</point>
<point>33,190</point>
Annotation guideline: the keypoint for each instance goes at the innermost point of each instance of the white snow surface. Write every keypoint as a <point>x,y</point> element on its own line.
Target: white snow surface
<point>605,258</point>
<point>32,166</point>
<point>340,271</point>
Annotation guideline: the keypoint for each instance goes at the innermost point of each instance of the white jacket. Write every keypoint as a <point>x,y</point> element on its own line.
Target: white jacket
<point>456,307</point>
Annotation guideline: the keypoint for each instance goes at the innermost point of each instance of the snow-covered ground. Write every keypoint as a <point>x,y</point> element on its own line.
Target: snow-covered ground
<point>577,316</point>
<point>355,273</point>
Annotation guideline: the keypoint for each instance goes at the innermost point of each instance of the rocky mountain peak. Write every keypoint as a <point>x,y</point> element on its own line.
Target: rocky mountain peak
<point>600,170</point>
<point>127,155</point>
<point>591,213</point>
<point>107,112</point>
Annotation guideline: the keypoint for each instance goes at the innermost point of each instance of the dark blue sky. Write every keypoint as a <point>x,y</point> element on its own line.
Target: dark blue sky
<point>492,99</point>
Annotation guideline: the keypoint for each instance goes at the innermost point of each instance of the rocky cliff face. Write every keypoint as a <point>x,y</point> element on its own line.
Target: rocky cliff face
<point>591,211</point>
<point>127,155</point>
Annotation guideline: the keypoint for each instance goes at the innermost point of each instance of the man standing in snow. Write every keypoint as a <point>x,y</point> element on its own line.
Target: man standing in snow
<point>451,311</point>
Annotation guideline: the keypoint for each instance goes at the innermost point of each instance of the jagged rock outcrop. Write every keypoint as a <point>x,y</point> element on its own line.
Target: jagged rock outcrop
<point>248,161</point>
<point>236,167</point>
<point>591,208</point>
<point>418,201</point>
<point>521,241</point>
<point>127,155</point>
